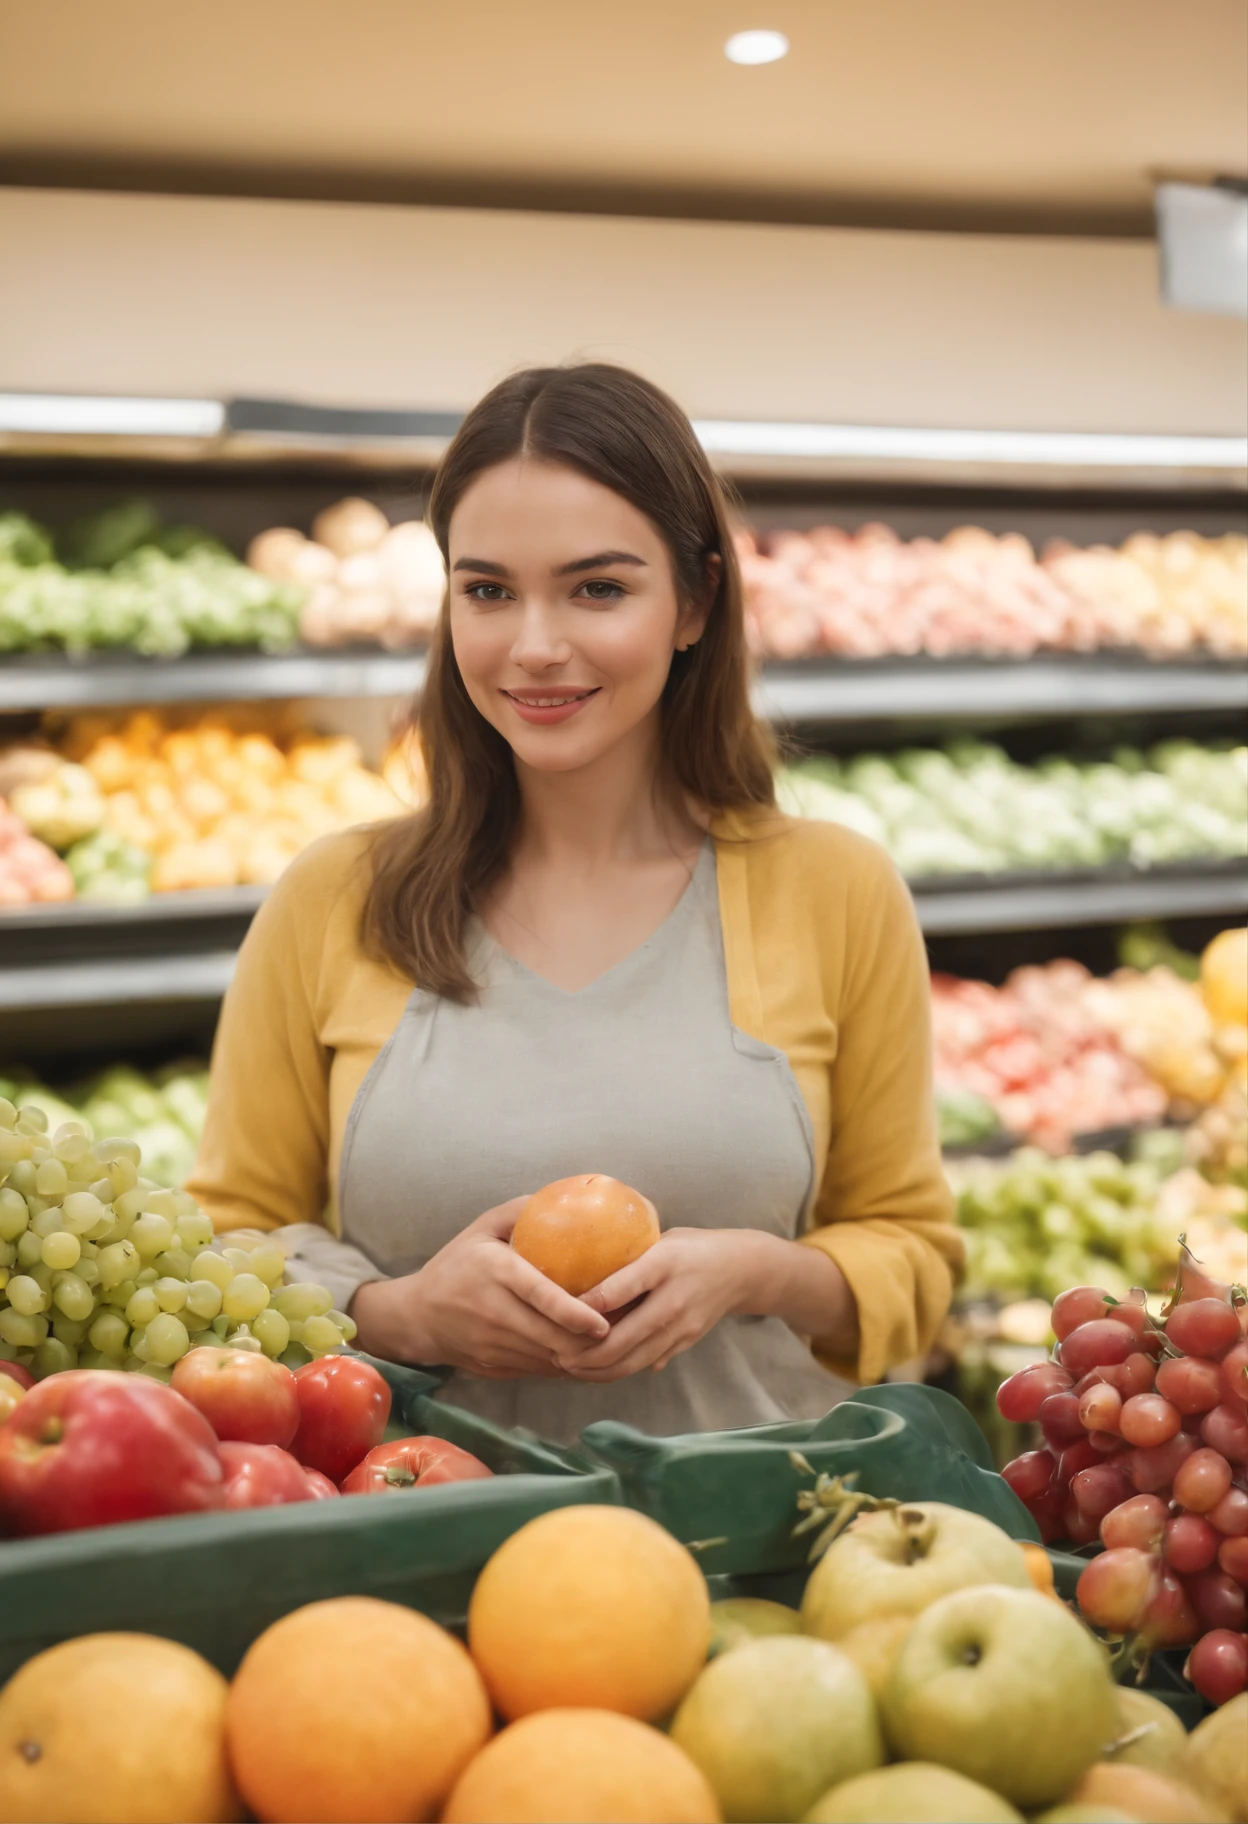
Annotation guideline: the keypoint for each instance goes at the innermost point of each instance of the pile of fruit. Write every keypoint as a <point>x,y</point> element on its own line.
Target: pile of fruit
<point>30,872</point>
<point>1036,1225</point>
<point>868,594</point>
<point>970,809</point>
<point>931,1673</point>
<point>122,579</point>
<point>172,802</point>
<point>1057,1052</point>
<point>232,1430</point>
<point>162,1112</point>
<point>1036,1051</point>
<point>1145,1427</point>
<point>101,1267</point>
<point>362,578</point>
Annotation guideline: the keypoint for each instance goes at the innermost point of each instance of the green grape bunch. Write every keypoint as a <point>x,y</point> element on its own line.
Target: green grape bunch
<point>102,1268</point>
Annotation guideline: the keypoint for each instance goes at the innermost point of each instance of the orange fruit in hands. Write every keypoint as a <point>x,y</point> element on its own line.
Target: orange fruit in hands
<point>578,1231</point>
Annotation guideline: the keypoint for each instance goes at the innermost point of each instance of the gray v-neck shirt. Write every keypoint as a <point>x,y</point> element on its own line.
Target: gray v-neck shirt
<point>640,1075</point>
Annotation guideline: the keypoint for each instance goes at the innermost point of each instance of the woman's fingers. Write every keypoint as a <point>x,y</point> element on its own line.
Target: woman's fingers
<point>649,1352</point>
<point>553,1303</point>
<point>652,1318</point>
<point>640,1276</point>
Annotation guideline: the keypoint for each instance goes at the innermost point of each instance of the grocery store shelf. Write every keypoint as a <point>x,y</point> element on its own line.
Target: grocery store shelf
<point>260,430</point>
<point>84,917</point>
<point>180,947</point>
<point>102,679</point>
<point>859,690</point>
<point>118,981</point>
<point>1100,898</point>
<point>806,691</point>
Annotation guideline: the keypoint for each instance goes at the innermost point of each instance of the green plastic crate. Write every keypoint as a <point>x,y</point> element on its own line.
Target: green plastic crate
<point>216,1580</point>
<point>732,1495</point>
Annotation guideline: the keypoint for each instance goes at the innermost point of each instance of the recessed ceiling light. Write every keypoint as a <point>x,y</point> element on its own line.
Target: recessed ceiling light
<point>756,47</point>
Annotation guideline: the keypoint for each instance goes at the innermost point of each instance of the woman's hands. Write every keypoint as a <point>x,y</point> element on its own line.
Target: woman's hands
<point>478,1306</point>
<point>691,1278</point>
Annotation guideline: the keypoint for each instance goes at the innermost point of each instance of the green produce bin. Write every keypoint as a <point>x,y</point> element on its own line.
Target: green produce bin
<point>731,1496</point>
<point>216,1580</point>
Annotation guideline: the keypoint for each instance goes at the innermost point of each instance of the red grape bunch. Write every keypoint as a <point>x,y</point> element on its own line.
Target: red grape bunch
<point>1145,1428</point>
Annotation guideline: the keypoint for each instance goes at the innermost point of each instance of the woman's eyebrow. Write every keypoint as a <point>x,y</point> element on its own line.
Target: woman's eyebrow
<point>481,563</point>
<point>598,561</point>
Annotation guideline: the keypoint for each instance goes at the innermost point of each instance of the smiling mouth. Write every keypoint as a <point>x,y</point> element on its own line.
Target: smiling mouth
<point>532,699</point>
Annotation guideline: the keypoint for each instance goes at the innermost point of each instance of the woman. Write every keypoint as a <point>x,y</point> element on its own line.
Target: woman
<point>600,948</point>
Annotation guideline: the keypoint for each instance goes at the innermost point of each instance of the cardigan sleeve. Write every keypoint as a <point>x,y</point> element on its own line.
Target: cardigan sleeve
<point>884,1211</point>
<point>262,1155</point>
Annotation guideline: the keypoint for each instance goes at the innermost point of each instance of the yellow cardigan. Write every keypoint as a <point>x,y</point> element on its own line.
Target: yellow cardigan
<point>825,961</point>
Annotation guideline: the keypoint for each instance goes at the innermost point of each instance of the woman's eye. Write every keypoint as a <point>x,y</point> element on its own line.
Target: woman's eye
<point>600,590</point>
<point>486,592</point>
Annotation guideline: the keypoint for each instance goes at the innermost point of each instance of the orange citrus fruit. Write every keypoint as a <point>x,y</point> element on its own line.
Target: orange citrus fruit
<point>353,1710</point>
<point>115,1729</point>
<point>581,1767</point>
<point>593,1608</point>
<point>578,1231</point>
<point>1140,1793</point>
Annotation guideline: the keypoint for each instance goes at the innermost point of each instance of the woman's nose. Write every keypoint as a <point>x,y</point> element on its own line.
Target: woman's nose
<point>539,644</point>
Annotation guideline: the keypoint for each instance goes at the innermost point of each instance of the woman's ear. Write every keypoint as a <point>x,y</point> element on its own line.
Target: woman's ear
<point>695,614</point>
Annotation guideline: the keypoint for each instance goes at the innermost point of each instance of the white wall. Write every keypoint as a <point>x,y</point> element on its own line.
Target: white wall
<point>346,304</point>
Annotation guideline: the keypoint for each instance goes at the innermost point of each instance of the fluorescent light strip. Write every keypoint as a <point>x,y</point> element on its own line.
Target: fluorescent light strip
<point>727,437</point>
<point>67,414</point>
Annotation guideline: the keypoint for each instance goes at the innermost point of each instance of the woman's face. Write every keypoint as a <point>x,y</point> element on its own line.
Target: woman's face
<point>564,612</point>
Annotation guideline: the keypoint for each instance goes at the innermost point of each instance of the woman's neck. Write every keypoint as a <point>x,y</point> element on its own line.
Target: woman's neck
<point>610,811</point>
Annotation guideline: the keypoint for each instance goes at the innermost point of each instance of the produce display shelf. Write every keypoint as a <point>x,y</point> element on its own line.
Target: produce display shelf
<point>104,680</point>
<point>117,981</point>
<point>809,691</point>
<point>968,904</point>
<point>180,947</point>
<point>858,690</point>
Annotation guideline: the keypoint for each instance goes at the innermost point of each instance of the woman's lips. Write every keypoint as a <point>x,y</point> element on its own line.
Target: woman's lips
<point>547,706</point>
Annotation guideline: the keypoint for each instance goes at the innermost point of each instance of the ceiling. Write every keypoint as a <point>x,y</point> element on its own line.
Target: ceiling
<point>1026,115</point>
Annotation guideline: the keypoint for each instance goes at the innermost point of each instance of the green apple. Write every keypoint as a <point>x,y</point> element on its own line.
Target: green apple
<point>1006,1687</point>
<point>741,1618</point>
<point>916,1792</point>
<point>1147,1734</point>
<point>1217,1757</point>
<point>898,1560</point>
<point>774,1723</point>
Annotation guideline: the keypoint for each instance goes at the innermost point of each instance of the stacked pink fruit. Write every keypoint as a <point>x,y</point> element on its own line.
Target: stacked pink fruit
<point>1146,1450</point>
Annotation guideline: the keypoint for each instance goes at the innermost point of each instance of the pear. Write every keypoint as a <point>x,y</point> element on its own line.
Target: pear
<point>1217,1757</point>
<point>916,1792</point>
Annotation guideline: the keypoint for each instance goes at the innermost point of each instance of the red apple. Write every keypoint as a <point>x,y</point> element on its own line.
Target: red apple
<point>343,1407</point>
<point>244,1396</point>
<point>16,1372</point>
<point>262,1475</point>
<point>88,1448</point>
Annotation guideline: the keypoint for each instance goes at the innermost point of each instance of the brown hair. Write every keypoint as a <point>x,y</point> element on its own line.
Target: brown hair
<point>433,870</point>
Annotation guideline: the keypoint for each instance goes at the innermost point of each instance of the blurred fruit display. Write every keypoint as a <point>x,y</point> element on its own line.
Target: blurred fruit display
<point>167,801</point>
<point>162,1112</point>
<point>30,872</point>
<point>122,579</point>
<point>871,594</point>
<point>1057,1052</point>
<point>1036,1226</point>
<point>968,808</point>
<point>362,578</point>
<point>1036,1052</point>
